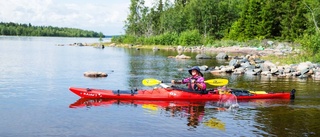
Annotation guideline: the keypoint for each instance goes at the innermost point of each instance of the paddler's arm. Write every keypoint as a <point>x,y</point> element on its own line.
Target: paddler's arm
<point>200,85</point>
<point>176,82</point>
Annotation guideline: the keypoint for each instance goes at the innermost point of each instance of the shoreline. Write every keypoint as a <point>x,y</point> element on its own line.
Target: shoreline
<point>248,60</point>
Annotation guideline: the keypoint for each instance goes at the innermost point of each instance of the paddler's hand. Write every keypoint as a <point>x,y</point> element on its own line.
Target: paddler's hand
<point>172,81</point>
<point>176,81</point>
<point>193,81</point>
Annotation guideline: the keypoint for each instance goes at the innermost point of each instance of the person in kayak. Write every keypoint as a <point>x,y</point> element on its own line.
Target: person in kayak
<point>195,81</point>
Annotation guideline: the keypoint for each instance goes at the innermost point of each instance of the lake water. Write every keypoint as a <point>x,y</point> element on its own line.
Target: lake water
<point>35,75</point>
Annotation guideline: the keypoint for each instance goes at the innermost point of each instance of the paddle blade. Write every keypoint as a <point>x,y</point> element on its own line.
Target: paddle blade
<point>217,82</point>
<point>150,82</point>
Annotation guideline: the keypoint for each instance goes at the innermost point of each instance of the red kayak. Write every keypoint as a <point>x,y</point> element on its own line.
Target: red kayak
<point>173,94</point>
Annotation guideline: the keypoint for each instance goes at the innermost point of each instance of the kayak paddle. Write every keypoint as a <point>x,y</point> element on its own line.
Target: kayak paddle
<point>151,82</point>
<point>214,82</point>
<point>217,82</point>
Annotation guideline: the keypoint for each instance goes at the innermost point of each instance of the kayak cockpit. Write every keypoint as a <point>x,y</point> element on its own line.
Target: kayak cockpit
<point>119,92</point>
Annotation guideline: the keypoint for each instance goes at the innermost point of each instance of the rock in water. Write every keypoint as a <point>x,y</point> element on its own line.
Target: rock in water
<point>95,74</point>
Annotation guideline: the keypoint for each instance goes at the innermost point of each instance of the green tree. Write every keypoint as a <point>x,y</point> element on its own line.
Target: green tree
<point>29,30</point>
<point>293,23</point>
<point>266,20</point>
<point>155,15</point>
<point>133,24</point>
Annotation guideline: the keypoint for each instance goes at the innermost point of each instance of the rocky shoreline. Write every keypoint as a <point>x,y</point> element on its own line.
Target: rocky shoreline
<point>253,65</point>
<point>248,60</point>
<point>244,60</point>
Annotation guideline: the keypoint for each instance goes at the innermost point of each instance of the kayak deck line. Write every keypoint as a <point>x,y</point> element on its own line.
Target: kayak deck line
<point>175,94</point>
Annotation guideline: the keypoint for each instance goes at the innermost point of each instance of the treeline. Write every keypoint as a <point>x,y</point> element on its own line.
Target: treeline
<point>204,22</point>
<point>16,29</point>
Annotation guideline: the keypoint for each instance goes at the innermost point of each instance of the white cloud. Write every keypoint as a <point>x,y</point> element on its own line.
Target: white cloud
<point>105,16</point>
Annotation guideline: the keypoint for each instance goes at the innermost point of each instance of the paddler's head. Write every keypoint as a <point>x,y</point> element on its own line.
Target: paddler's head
<point>195,71</point>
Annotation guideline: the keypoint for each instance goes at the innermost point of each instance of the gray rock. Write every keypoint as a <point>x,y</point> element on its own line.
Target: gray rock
<point>251,72</point>
<point>227,69</point>
<point>270,43</point>
<point>203,56</point>
<point>304,71</point>
<point>95,74</point>
<point>243,60</point>
<point>239,70</point>
<point>234,63</point>
<point>259,61</point>
<point>245,65</point>
<point>203,67</point>
<point>287,70</point>
<point>258,70</point>
<point>265,73</point>
<point>317,74</point>
<point>303,66</point>
<point>267,65</point>
<point>222,56</point>
<point>274,70</point>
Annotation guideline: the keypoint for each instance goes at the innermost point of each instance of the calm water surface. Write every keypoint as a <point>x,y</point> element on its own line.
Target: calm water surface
<point>35,75</point>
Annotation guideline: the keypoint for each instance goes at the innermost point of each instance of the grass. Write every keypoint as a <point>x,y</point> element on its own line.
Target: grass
<point>285,60</point>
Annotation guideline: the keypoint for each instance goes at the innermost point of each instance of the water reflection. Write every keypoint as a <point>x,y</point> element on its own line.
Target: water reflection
<point>193,111</point>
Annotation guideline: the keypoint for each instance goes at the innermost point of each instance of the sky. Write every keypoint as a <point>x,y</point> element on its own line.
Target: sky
<point>106,16</point>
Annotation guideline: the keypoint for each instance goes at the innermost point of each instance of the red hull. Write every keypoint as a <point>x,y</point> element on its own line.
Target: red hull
<point>166,94</point>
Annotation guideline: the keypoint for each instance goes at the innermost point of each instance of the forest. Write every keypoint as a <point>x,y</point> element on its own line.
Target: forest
<point>16,29</point>
<point>208,22</point>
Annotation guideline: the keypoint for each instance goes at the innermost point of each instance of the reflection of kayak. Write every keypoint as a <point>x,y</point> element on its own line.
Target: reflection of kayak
<point>215,123</point>
<point>149,104</point>
<point>193,111</point>
<point>83,102</point>
<point>172,94</point>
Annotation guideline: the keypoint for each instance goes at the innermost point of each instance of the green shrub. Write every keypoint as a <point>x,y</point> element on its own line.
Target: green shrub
<point>311,44</point>
<point>168,38</point>
<point>129,39</point>
<point>140,40</point>
<point>208,41</point>
<point>117,39</point>
<point>190,37</point>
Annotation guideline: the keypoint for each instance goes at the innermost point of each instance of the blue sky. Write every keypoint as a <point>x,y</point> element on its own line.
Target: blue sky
<point>106,16</point>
